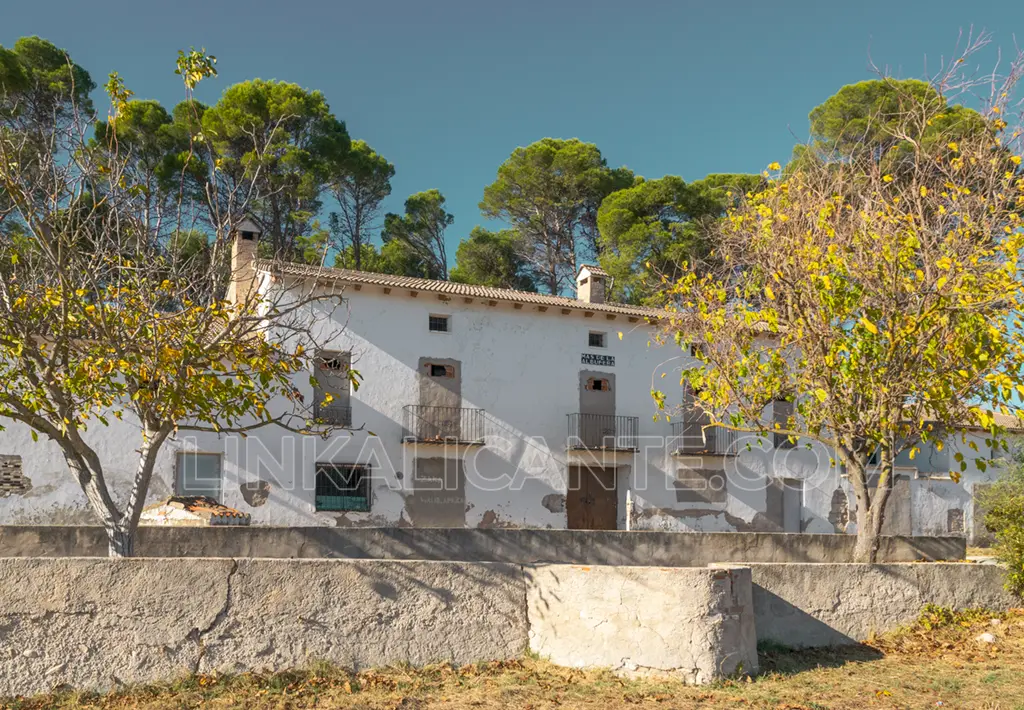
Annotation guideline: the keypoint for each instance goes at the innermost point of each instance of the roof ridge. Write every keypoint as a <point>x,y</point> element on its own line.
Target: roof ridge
<point>442,286</point>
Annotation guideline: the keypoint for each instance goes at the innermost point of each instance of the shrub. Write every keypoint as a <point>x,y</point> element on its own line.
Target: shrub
<point>1005,518</point>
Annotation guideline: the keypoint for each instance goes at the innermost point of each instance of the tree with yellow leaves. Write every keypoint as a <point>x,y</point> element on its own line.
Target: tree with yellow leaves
<point>878,292</point>
<point>101,318</point>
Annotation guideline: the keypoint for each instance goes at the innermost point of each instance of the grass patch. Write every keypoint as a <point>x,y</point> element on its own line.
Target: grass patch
<point>935,662</point>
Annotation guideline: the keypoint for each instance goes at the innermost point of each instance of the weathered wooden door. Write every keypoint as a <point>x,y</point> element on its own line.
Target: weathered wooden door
<point>597,410</point>
<point>592,500</point>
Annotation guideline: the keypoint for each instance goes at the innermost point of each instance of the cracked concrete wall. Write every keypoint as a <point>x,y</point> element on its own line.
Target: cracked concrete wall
<point>93,623</point>
<point>806,605</point>
<point>696,624</point>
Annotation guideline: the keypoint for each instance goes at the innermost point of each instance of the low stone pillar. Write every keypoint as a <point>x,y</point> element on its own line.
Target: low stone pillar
<point>696,624</point>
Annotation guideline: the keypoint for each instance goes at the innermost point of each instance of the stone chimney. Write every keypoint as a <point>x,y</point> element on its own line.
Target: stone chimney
<point>591,284</point>
<point>245,239</point>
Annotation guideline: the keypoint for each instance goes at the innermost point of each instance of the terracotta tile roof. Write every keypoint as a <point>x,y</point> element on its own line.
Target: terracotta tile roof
<point>594,269</point>
<point>201,509</point>
<point>454,289</point>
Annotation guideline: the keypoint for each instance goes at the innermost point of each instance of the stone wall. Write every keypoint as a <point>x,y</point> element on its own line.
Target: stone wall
<point>594,547</point>
<point>96,623</point>
<point>802,605</point>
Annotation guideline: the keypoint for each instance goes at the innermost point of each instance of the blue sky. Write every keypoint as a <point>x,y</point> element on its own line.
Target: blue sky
<point>446,89</point>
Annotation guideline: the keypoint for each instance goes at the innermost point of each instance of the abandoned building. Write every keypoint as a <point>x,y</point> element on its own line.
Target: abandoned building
<point>486,407</point>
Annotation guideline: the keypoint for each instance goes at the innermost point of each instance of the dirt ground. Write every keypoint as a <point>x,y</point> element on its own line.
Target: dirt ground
<point>936,663</point>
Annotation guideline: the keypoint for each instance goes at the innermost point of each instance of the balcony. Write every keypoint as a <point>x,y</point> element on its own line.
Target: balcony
<point>695,437</point>
<point>603,432</point>
<point>334,414</point>
<point>442,425</point>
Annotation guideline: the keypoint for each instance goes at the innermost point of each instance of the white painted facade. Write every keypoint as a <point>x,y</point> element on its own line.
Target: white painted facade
<point>520,363</point>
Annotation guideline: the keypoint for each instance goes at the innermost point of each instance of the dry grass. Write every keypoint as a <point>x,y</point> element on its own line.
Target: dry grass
<point>935,663</point>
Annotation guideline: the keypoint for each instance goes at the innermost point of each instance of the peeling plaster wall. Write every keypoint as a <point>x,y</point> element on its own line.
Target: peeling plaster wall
<point>523,368</point>
<point>54,497</point>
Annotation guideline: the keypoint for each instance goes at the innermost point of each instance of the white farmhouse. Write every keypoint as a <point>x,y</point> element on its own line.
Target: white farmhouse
<point>485,407</point>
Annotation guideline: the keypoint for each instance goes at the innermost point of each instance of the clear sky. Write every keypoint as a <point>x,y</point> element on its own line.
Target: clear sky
<point>446,89</point>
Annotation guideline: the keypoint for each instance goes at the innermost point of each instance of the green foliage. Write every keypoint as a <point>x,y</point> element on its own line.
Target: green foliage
<point>1004,502</point>
<point>934,617</point>
<point>492,259</point>
<point>886,117</point>
<point>284,141</point>
<point>550,192</point>
<point>157,144</point>
<point>360,185</point>
<point>650,230</point>
<point>40,81</point>
<point>420,234</point>
<point>369,259</point>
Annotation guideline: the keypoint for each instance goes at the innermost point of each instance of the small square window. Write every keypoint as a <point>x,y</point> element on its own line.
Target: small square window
<point>199,475</point>
<point>438,324</point>
<point>341,487</point>
<point>598,385</point>
<point>597,340</point>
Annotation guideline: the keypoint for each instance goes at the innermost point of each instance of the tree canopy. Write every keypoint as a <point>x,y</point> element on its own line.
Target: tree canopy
<point>882,308</point>
<point>650,230</point>
<point>283,142</point>
<point>360,184</point>
<point>492,259</point>
<point>419,235</point>
<point>550,192</point>
<point>887,116</point>
<point>109,313</point>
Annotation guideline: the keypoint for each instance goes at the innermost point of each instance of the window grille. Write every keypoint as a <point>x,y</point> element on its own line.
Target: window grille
<point>342,487</point>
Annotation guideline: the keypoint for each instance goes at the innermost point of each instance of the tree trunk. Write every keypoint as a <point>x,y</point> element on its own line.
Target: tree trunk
<point>866,549</point>
<point>120,542</point>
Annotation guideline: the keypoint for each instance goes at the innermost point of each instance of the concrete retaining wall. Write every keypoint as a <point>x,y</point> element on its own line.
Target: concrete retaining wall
<point>95,623</point>
<point>640,620</point>
<point>801,605</point>
<point>523,546</point>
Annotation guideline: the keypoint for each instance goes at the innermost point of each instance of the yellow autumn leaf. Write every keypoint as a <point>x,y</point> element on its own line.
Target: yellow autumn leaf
<point>887,178</point>
<point>924,191</point>
<point>769,293</point>
<point>620,335</point>
<point>774,166</point>
<point>871,327</point>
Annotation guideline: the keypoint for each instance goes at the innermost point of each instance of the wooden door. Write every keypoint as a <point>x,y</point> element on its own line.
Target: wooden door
<point>597,410</point>
<point>592,501</point>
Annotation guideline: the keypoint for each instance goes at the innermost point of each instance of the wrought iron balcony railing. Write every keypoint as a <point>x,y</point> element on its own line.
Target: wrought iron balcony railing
<point>695,437</point>
<point>336,414</point>
<point>603,431</point>
<point>443,424</point>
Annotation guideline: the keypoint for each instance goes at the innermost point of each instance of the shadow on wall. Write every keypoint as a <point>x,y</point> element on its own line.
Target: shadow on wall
<point>516,545</point>
<point>785,615</point>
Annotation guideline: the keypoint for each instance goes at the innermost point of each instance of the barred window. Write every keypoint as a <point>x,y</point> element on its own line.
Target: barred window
<point>341,487</point>
<point>438,324</point>
<point>596,339</point>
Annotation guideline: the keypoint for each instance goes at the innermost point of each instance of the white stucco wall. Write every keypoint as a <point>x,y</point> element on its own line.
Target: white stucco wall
<point>522,367</point>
